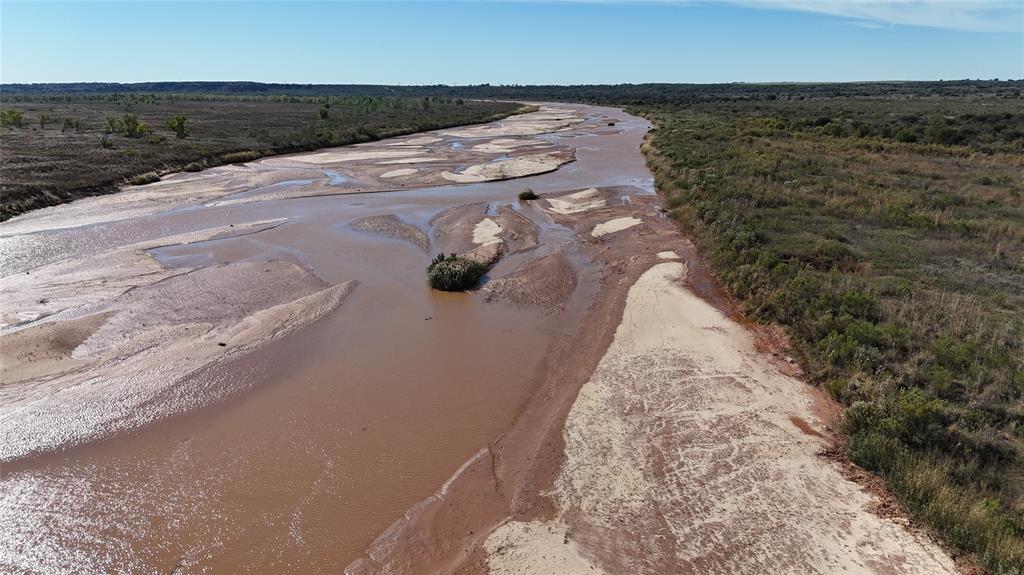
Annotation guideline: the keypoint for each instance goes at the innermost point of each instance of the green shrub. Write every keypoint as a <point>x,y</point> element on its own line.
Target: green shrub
<point>177,124</point>
<point>131,127</point>
<point>12,118</point>
<point>241,157</point>
<point>71,124</point>
<point>44,119</point>
<point>528,194</point>
<point>454,273</point>
<point>194,167</point>
<point>143,179</point>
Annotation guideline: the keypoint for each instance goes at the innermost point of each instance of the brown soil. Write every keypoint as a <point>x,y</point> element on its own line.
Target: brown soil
<point>393,227</point>
<point>548,282</point>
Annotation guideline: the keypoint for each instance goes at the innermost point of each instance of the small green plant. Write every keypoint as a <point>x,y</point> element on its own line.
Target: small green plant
<point>143,179</point>
<point>528,194</point>
<point>71,124</point>
<point>194,167</point>
<point>240,157</point>
<point>12,118</point>
<point>127,125</point>
<point>44,119</point>
<point>454,273</point>
<point>177,124</point>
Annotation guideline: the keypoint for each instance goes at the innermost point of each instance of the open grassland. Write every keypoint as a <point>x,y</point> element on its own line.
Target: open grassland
<point>887,236</point>
<point>58,147</point>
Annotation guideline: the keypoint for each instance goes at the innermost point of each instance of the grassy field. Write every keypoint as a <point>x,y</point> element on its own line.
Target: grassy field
<point>887,236</point>
<point>58,147</point>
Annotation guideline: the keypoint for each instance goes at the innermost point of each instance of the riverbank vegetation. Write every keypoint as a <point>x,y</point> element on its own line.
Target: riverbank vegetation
<point>61,146</point>
<point>887,236</point>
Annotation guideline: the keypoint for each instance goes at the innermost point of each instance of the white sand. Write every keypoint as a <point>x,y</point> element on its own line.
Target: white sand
<point>347,155</point>
<point>416,141</point>
<point>669,255</point>
<point>576,202</point>
<point>536,548</point>
<point>503,145</point>
<point>615,225</point>
<point>680,456</point>
<point>509,168</point>
<point>545,120</point>
<point>407,161</point>
<point>399,172</point>
<point>486,232</point>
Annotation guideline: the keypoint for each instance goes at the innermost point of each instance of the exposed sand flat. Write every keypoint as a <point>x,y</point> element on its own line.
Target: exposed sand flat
<point>486,232</point>
<point>45,349</point>
<point>614,225</point>
<point>504,145</point>
<point>72,285</point>
<point>668,255</point>
<point>399,173</point>
<point>535,548</point>
<point>681,457</point>
<point>509,168</point>
<point>545,120</point>
<point>417,160</point>
<point>548,281</point>
<point>349,155</point>
<point>150,342</point>
<point>585,200</point>
<point>415,141</point>
<point>393,227</point>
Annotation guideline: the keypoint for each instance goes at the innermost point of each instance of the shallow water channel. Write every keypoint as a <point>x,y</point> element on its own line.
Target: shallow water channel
<point>294,455</point>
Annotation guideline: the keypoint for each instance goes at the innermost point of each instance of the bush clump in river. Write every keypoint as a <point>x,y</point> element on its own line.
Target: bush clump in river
<point>528,194</point>
<point>454,273</point>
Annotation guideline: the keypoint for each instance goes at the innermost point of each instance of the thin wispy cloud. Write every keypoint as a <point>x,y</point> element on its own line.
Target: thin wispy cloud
<point>978,15</point>
<point>974,15</point>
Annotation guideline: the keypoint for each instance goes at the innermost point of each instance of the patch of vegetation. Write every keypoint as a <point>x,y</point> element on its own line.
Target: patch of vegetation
<point>107,138</point>
<point>143,179</point>
<point>528,194</point>
<point>241,157</point>
<point>11,118</point>
<point>454,273</point>
<point>177,125</point>
<point>887,236</point>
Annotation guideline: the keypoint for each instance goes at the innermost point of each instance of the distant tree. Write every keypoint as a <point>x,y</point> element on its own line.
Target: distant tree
<point>44,119</point>
<point>132,127</point>
<point>177,123</point>
<point>12,118</point>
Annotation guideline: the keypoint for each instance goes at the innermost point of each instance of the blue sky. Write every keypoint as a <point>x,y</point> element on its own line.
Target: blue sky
<point>528,42</point>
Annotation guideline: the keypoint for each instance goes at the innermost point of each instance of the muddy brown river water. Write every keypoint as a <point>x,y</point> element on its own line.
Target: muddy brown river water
<point>219,374</point>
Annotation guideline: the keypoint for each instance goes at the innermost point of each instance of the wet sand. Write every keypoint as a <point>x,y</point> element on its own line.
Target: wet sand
<point>596,406</point>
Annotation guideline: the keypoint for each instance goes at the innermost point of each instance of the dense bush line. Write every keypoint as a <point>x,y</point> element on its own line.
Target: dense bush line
<point>887,236</point>
<point>645,94</point>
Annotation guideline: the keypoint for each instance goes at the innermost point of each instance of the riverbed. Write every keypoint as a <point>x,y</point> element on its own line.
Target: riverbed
<point>281,451</point>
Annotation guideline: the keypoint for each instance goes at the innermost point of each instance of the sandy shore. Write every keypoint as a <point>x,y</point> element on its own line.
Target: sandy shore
<point>666,437</point>
<point>681,456</point>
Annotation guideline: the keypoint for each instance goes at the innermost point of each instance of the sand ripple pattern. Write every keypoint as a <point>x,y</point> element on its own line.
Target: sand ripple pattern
<point>681,458</point>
